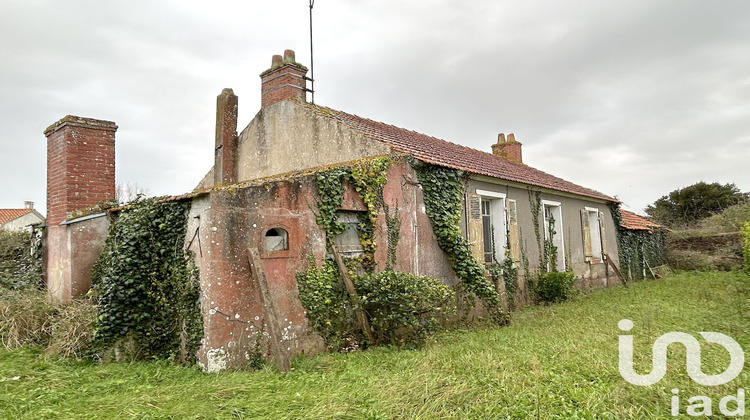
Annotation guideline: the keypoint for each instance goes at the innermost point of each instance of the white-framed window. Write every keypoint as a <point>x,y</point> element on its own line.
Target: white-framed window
<point>592,233</point>
<point>494,225</point>
<point>553,232</point>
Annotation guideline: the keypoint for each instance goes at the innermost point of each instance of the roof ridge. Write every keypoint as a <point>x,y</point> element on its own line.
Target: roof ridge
<point>458,156</point>
<point>427,135</point>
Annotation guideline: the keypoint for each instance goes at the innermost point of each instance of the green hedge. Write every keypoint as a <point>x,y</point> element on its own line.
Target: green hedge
<point>20,261</point>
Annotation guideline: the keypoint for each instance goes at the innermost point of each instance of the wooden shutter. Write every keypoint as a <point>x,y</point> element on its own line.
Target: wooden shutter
<point>474,216</point>
<point>513,236</point>
<point>588,252</point>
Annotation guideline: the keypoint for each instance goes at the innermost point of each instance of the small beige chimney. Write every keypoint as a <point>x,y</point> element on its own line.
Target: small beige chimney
<point>28,205</point>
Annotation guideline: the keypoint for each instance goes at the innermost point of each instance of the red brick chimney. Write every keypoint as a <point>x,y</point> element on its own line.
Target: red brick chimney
<point>285,80</point>
<point>225,156</point>
<point>80,165</point>
<point>508,148</point>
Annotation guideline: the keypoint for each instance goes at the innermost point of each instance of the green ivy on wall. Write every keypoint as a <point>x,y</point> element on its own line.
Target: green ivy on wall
<point>146,285</point>
<point>330,193</point>
<point>368,177</point>
<point>510,277</point>
<point>535,204</point>
<point>443,196</point>
<point>550,250</point>
<point>638,247</point>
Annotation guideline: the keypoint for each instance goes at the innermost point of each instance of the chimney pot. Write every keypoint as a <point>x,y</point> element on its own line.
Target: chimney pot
<point>284,81</point>
<point>508,148</point>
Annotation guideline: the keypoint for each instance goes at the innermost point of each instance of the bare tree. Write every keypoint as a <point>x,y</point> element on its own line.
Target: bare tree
<point>129,191</point>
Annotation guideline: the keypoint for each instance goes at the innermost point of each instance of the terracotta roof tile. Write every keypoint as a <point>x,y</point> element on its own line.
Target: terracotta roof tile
<point>633,221</point>
<point>6,215</point>
<point>440,152</point>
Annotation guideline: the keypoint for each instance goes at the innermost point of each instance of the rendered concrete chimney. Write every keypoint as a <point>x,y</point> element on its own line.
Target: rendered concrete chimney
<point>285,80</point>
<point>28,205</point>
<point>508,148</point>
<point>225,156</point>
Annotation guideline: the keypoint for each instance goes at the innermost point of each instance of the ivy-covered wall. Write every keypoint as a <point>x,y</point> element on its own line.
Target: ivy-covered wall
<point>639,248</point>
<point>230,221</point>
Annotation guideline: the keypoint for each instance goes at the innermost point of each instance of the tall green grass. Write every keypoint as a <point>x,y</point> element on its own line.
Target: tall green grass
<point>557,361</point>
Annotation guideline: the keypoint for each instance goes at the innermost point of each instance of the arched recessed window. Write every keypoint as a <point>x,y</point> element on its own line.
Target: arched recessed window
<point>276,239</point>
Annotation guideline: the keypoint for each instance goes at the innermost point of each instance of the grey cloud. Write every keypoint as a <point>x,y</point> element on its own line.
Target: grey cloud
<point>630,98</point>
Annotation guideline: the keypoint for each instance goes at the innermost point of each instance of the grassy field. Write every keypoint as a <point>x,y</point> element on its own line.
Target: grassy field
<point>558,361</point>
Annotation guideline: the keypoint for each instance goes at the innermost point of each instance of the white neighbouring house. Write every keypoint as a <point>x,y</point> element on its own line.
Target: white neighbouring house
<point>20,219</point>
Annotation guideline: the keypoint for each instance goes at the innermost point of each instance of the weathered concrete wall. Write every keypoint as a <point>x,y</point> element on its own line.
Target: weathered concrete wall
<point>231,221</point>
<point>289,136</point>
<point>57,270</point>
<point>72,250</point>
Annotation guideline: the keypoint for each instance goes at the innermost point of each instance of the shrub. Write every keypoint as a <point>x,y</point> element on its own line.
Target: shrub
<point>729,220</point>
<point>404,308</point>
<point>554,286</point>
<point>745,233</point>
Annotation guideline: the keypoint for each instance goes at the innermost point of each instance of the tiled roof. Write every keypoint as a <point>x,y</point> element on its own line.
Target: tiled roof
<point>633,221</point>
<point>6,215</point>
<point>440,152</point>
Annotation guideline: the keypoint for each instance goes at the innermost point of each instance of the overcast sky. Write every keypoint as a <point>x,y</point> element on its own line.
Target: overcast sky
<point>632,98</point>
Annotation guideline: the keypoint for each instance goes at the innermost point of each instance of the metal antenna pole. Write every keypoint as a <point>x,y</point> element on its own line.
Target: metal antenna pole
<point>312,62</point>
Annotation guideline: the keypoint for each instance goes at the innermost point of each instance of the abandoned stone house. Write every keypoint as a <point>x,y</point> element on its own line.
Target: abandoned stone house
<point>261,193</point>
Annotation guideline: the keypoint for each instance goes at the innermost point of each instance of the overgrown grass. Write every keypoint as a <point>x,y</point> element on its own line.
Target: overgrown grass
<point>558,361</point>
